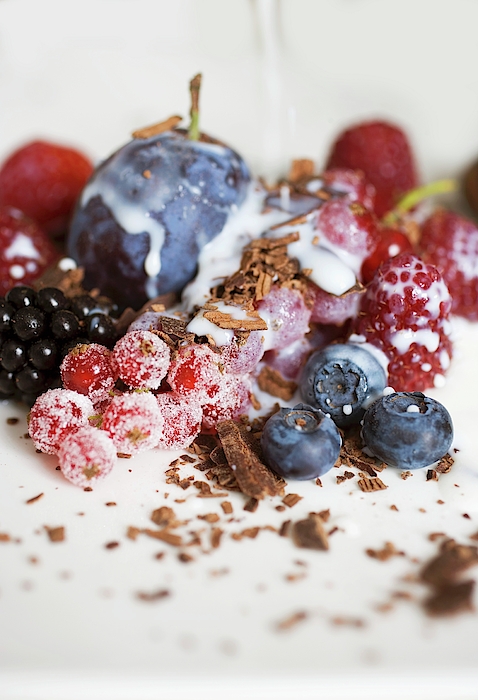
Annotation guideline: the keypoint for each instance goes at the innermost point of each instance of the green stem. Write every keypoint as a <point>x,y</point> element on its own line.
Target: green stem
<point>194,88</point>
<point>414,197</point>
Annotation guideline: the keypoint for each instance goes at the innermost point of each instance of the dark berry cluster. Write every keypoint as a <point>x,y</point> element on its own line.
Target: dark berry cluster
<point>37,329</point>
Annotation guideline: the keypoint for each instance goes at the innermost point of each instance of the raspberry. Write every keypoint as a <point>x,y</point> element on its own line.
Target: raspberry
<point>382,151</point>
<point>405,313</point>
<point>352,183</point>
<point>349,227</point>
<point>231,400</point>
<point>450,242</point>
<point>133,421</point>
<point>182,421</point>
<point>54,415</point>
<point>87,369</point>
<point>141,359</point>
<point>25,250</point>
<point>196,371</point>
<point>287,317</point>
<point>392,242</point>
<point>86,456</point>
<point>44,180</point>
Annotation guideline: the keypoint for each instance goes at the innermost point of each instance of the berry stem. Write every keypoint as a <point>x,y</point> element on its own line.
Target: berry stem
<point>417,195</point>
<point>194,88</point>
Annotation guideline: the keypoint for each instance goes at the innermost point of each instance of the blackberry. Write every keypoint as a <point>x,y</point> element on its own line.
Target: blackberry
<point>37,329</point>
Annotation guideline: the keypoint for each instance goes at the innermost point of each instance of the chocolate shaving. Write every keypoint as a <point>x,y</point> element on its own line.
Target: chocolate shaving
<point>55,534</point>
<point>35,498</point>
<point>209,517</point>
<point>284,528</point>
<point>165,536</point>
<point>253,477</point>
<point>291,499</point>
<point>445,464</point>
<point>291,621</point>
<point>310,533</point>
<point>164,517</point>
<point>432,475</point>
<point>216,534</point>
<point>367,485</point>
<point>251,505</point>
<point>301,168</point>
<point>155,129</point>
<point>5,537</point>
<point>227,507</point>
<point>406,475</point>
<point>453,560</point>
<point>154,596</point>
<point>451,599</point>
<point>272,382</point>
<point>388,551</point>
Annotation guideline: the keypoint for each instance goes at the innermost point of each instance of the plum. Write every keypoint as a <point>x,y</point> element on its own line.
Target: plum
<point>149,209</point>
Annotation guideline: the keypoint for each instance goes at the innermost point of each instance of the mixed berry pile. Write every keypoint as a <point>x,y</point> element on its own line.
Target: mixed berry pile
<point>333,292</point>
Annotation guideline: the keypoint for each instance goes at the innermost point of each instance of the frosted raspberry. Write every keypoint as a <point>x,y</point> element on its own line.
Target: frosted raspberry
<point>86,456</point>
<point>181,421</point>
<point>231,400</point>
<point>133,421</point>
<point>349,226</point>
<point>196,371</point>
<point>382,151</point>
<point>352,183</point>
<point>54,415</point>
<point>405,313</point>
<point>287,317</point>
<point>392,242</point>
<point>87,369</point>
<point>141,359</point>
<point>328,308</point>
<point>242,354</point>
<point>450,242</point>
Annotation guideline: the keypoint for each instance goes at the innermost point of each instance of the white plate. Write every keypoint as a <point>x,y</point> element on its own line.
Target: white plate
<point>71,625</point>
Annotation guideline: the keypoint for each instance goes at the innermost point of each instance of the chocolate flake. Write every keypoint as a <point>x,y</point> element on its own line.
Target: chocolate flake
<point>12,421</point>
<point>284,528</point>
<point>5,537</point>
<point>209,517</point>
<point>310,533</point>
<point>451,599</point>
<point>272,382</point>
<point>55,534</point>
<point>406,475</point>
<point>432,475</point>
<point>216,534</point>
<point>154,596</point>
<point>185,557</point>
<point>291,499</point>
<point>253,477</point>
<point>164,517</point>
<point>453,559</point>
<point>227,507</point>
<point>165,536</point>
<point>35,498</point>
<point>251,505</point>
<point>112,545</point>
<point>291,621</point>
<point>388,551</point>
<point>367,484</point>
<point>445,464</point>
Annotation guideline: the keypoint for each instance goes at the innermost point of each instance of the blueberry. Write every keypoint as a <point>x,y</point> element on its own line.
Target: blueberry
<point>407,430</point>
<point>64,325</point>
<point>50,299</point>
<point>21,296</point>
<point>149,209</point>
<point>342,380</point>
<point>300,442</point>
